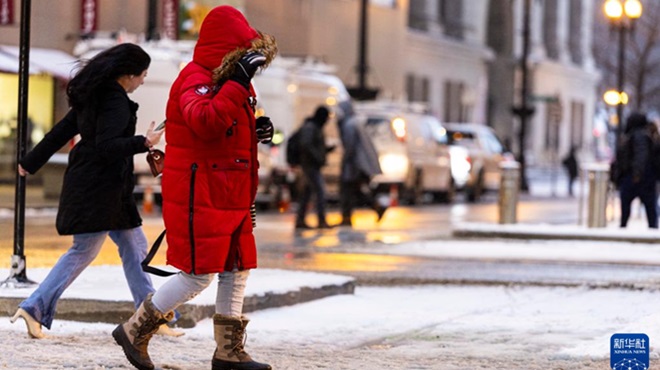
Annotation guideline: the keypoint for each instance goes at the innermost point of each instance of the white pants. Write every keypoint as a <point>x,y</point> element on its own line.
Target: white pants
<point>183,287</point>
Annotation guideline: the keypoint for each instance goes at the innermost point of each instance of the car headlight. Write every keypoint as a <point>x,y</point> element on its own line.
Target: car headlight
<point>394,165</point>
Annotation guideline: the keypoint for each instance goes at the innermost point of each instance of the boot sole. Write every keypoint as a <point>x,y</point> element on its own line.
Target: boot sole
<point>122,340</point>
<point>226,365</point>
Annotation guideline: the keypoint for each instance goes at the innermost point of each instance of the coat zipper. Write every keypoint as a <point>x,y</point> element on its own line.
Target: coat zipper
<point>191,216</point>
<point>249,110</point>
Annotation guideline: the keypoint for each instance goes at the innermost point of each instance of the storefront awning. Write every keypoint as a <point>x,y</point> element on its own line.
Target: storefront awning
<point>49,61</point>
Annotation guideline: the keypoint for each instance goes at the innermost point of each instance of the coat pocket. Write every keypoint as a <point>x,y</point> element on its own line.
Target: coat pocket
<point>229,183</point>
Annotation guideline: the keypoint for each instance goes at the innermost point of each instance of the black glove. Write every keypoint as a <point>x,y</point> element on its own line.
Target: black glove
<point>246,67</point>
<point>264,130</point>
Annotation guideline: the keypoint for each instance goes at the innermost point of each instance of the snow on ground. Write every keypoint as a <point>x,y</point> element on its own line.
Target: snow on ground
<point>115,288</point>
<point>420,327</point>
<point>538,250</point>
<point>427,327</point>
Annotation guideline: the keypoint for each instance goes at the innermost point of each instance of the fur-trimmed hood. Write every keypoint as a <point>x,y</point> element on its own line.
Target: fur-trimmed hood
<point>225,36</point>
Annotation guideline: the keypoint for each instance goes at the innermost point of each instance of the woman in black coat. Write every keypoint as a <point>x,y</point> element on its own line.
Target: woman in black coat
<point>97,192</point>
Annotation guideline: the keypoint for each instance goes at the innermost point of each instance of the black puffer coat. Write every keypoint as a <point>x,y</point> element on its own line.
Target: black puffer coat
<point>97,193</point>
<point>637,150</point>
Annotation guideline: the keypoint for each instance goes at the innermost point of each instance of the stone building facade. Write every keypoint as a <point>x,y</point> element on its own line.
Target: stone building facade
<point>459,57</point>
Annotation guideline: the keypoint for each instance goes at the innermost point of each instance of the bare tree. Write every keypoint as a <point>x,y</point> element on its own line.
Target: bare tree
<point>641,60</point>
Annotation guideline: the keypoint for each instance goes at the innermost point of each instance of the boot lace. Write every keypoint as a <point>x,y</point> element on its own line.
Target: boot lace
<point>145,329</point>
<point>239,338</point>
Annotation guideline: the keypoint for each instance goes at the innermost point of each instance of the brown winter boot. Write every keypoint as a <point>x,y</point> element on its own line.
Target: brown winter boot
<point>229,333</point>
<point>134,335</point>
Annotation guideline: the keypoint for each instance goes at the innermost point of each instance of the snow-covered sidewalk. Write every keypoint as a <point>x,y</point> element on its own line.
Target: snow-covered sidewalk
<point>637,231</point>
<point>101,293</point>
<point>107,283</point>
<point>425,327</point>
<point>536,250</point>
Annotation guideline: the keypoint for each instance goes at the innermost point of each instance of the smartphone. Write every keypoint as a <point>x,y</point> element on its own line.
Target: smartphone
<point>161,126</point>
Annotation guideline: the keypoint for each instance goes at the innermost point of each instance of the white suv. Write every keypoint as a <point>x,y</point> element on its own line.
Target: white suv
<point>485,153</point>
<point>412,150</point>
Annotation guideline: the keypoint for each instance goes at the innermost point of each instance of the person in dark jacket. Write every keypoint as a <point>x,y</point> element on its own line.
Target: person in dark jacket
<point>638,178</point>
<point>359,165</point>
<point>313,157</point>
<point>570,163</point>
<point>97,192</point>
<point>209,184</point>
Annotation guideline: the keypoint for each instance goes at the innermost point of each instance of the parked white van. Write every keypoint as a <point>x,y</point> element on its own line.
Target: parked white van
<point>412,149</point>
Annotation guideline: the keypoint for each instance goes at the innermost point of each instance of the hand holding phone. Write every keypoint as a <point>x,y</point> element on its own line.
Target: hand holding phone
<point>153,135</point>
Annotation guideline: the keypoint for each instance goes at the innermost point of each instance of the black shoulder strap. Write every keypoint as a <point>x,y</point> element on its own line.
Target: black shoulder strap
<point>150,256</point>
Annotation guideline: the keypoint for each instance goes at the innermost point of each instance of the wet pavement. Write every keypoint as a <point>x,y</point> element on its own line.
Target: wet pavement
<point>358,251</point>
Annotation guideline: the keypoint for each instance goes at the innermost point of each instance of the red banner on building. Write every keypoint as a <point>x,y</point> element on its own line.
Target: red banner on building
<point>6,12</point>
<point>89,15</point>
<point>171,19</point>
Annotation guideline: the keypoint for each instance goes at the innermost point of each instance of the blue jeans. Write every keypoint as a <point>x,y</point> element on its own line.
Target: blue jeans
<point>132,246</point>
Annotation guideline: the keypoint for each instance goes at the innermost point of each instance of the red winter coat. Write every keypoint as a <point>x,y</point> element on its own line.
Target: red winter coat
<point>210,176</point>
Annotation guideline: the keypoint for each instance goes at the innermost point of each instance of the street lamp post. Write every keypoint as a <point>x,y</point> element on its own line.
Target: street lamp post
<point>17,273</point>
<point>524,111</point>
<point>622,15</point>
<point>361,91</point>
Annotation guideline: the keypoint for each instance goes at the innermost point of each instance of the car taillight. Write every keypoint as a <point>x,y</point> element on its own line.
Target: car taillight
<point>399,128</point>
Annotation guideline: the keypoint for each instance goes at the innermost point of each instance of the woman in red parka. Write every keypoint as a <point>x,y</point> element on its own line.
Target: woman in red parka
<point>208,185</point>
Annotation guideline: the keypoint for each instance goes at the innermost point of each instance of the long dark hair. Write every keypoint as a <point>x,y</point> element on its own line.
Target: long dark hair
<point>123,59</point>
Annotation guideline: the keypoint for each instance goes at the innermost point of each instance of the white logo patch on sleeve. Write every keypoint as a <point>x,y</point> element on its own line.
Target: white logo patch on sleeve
<point>202,90</point>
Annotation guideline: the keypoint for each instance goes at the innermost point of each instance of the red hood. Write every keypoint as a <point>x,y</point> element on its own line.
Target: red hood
<point>224,29</point>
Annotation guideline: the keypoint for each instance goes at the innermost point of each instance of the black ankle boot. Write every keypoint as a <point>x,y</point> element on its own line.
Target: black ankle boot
<point>325,225</point>
<point>301,225</point>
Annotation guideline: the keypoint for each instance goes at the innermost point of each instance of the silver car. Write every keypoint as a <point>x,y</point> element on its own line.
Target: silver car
<point>485,152</point>
<point>413,151</point>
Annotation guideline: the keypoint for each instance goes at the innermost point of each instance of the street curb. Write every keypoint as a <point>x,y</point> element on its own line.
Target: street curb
<point>116,312</point>
<point>517,232</point>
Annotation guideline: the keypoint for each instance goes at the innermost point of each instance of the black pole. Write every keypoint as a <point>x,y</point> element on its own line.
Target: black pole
<point>17,274</point>
<point>619,82</point>
<point>525,111</point>
<point>363,68</point>
<point>361,91</point>
<point>152,23</point>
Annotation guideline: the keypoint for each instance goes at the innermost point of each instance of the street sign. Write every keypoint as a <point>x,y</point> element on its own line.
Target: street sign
<point>546,98</point>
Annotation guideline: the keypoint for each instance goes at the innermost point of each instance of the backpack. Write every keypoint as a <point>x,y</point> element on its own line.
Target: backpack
<point>293,152</point>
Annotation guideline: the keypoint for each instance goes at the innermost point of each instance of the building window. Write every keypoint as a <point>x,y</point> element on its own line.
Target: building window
<point>417,15</point>
<point>577,123</point>
<point>450,15</point>
<point>417,88</point>
<point>455,111</point>
<point>425,90</point>
<point>575,34</point>
<point>552,123</point>
<point>550,29</point>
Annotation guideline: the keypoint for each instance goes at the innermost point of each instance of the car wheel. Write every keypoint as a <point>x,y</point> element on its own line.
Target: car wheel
<point>415,194</point>
<point>475,191</point>
<point>447,196</point>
